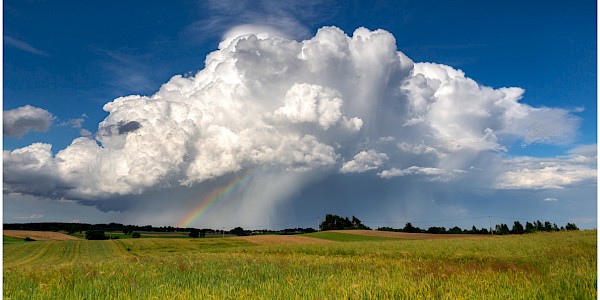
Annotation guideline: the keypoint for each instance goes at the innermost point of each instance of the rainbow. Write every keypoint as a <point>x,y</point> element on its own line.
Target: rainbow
<point>214,197</point>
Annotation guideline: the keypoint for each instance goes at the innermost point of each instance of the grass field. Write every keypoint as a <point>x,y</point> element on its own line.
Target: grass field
<point>11,239</point>
<point>535,266</point>
<point>344,237</point>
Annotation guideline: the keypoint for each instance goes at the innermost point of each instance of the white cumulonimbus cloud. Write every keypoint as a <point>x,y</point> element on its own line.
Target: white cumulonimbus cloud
<point>334,103</point>
<point>17,122</point>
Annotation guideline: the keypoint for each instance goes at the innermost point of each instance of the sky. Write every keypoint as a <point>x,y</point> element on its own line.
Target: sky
<point>271,114</point>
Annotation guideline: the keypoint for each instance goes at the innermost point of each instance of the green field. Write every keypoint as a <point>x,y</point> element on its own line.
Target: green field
<point>536,266</point>
<point>345,237</point>
<point>11,240</point>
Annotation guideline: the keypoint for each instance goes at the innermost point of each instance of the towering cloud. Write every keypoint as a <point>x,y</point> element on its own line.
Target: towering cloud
<point>333,103</point>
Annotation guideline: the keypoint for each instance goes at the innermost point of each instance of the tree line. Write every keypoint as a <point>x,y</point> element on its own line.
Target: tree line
<point>81,227</point>
<point>331,222</point>
<point>99,231</point>
<point>499,229</point>
<point>335,222</point>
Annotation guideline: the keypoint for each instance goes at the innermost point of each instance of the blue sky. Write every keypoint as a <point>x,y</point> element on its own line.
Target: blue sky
<point>71,58</point>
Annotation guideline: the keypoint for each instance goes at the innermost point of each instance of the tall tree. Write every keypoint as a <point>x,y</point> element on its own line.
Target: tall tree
<point>547,226</point>
<point>517,228</point>
<point>539,226</point>
<point>502,229</point>
<point>410,228</point>
<point>529,228</point>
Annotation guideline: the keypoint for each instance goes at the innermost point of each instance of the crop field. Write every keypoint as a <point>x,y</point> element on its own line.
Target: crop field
<point>38,235</point>
<point>558,265</point>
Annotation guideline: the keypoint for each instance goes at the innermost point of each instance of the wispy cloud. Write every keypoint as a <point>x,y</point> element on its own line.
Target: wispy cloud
<point>293,18</point>
<point>131,73</point>
<point>31,217</point>
<point>22,45</point>
<point>75,123</point>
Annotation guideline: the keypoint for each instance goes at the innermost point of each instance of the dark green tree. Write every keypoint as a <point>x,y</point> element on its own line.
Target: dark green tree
<point>357,224</point>
<point>502,229</point>
<point>194,233</point>
<point>529,228</point>
<point>436,230</point>
<point>410,228</point>
<point>455,230</point>
<point>517,228</point>
<point>571,226</point>
<point>547,226</point>
<point>136,235</point>
<point>95,235</point>
<point>539,226</point>
<point>239,231</point>
<point>335,222</point>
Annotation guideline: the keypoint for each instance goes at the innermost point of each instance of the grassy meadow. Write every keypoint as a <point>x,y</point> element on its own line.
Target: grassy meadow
<point>559,265</point>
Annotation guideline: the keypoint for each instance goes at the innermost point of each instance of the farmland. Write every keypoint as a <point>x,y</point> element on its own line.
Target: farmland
<point>536,266</point>
<point>39,235</point>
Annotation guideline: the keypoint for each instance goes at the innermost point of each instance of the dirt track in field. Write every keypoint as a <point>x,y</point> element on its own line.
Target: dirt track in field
<point>39,235</point>
<point>282,239</point>
<point>410,236</point>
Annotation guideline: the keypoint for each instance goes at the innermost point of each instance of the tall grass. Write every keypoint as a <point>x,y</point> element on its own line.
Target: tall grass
<point>537,266</point>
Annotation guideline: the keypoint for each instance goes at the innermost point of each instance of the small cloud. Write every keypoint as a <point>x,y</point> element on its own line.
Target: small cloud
<point>364,161</point>
<point>550,199</point>
<point>432,174</point>
<point>385,139</point>
<point>578,109</point>
<point>85,132</point>
<point>67,201</point>
<point>19,121</point>
<point>75,123</point>
<point>21,45</point>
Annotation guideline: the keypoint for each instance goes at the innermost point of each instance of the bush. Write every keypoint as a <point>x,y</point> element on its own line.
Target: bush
<point>95,235</point>
<point>194,233</point>
<point>239,231</point>
<point>571,226</point>
<point>136,235</point>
